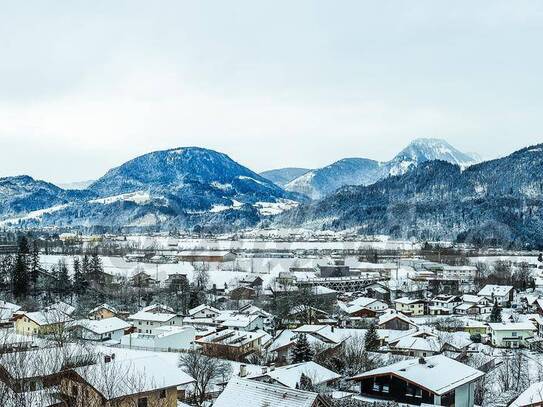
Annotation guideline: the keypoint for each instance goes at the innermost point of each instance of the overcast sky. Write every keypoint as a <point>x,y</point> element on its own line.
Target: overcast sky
<point>87,85</point>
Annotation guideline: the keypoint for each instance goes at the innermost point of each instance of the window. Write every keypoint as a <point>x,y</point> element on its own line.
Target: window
<point>142,402</point>
<point>514,334</point>
<point>162,394</point>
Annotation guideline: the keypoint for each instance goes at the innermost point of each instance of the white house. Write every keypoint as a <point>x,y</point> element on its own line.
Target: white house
<point>100,329</point>
<point>503,294</point>
<point>146,322</point>
<point>511,335</point>
<point>162,338</point>
<point>204,311</point>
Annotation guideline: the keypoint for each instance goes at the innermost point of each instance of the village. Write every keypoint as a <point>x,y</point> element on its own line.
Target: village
<point>258,321</point>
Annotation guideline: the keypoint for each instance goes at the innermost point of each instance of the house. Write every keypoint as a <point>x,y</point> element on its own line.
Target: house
<point>146,381</point>
<point>531,397</point>
<point>158,308</point>
<point>204,311</point>
<point>165,338</point>
<point>100,329</point>
<point>511,335</point>
<point>418,344</point>
<point>252,393</point>
<point>242,293</point>
<point>231,344</point>
<point>255,282</point>
<point>48,321</point>
<point>176,281</point>
<point>143,280</point>
<point>213,256</point>
<point>7,310</point>
<point>474,327</point>
<point>436,380</point>
<point>327,271</point>
<point>42,368</point>
<point>303,314</point>
<point>103,311</point>
<point>291,375</point>
<point>145,321</point>
<point>409,306</point>
<point>240,322</point>
<point>446,301</point>
<point>396,321</point>
<point>502,294</point>
<point>324,337</point>
<point>378,291</point>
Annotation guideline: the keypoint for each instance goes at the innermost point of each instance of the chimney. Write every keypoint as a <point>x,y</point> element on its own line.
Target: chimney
<point>264,370</point>
<point>272,367</point>
<point>422,361</point>
<point>332,328</point>
<point>242,370</point>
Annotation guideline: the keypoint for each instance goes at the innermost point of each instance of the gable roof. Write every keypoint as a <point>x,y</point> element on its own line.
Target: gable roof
<point>290,375</point>
<point>439,374</point>
<point>490,290</point>
<point>202,307</point>
<point>102,326</point>
<point>512,326</point>
<point>133,376</point>
<point>251,393</point>
<point>151,316</point>
<point>392,314</point>
<point>533,395</point>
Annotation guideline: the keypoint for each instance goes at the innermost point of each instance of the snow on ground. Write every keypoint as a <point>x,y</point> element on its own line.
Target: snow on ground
<point>139,197</point>
<point>222,208</point>
<point>275,208</point>
<point>34,214</point>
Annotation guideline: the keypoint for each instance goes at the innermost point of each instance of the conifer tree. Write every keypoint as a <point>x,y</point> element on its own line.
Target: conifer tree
<point>35,265</point>
<point>302,351</point>
<point>80,284</point>
<point>371,339</point>
<point>496,313</point>
<point>20,275</point>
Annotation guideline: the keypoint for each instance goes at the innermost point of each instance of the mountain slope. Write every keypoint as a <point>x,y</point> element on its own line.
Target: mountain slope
<point>181,187</point>
<point>497,201</point>
<point>282,176</point>
<point>318,183</point>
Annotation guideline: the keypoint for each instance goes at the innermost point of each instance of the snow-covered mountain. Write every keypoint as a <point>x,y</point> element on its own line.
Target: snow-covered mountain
<point>282,176</point>
<point>427,149</point>
<point>495,202</point>
<point>180,187</point>
<point>321,182</point>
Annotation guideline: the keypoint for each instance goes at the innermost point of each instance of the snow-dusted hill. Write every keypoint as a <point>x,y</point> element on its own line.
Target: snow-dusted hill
<point>184,187</point>
<point>321,182</point>
<point>282,176</point>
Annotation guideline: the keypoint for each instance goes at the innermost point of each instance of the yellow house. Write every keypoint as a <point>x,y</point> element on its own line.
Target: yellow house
<point>411,307</point>
<point>146,382</point>
<point>475,327</point>
<point>102,312</point>
<point>40,322</point>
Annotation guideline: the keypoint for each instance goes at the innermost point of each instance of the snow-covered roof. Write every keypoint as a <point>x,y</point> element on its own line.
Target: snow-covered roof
<point>103,306</point>
<point>465,306</point>
<point>158,306</point>
<point>251,393</point>
<point>321,290</point>
<point>47,317</point>
<point>533,395</point>
<point>362,301</point>
<point>439,374</point>
<point>512,326</point>
<point>151,316</point>
<point>102,326</point>
<point>290,375</point>
<point>63,307</point>
<point>490,290</point>
<point>471,298</point>
<point>429,344</point>
<point>407,300</point>
<point>203,307</point>
<point>231,337</point>
<point>121,378</point>
<point>388,316</point>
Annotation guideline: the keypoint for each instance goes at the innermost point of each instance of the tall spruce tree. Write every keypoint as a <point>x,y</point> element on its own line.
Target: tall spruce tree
<point>35,265</point>
<point>80,283</point>
<point>20,277</point>
<point>20,274</point>
<point>302,351</point>
<point>63,286</point>
<point>371,339</point>
<point>496,313</point>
